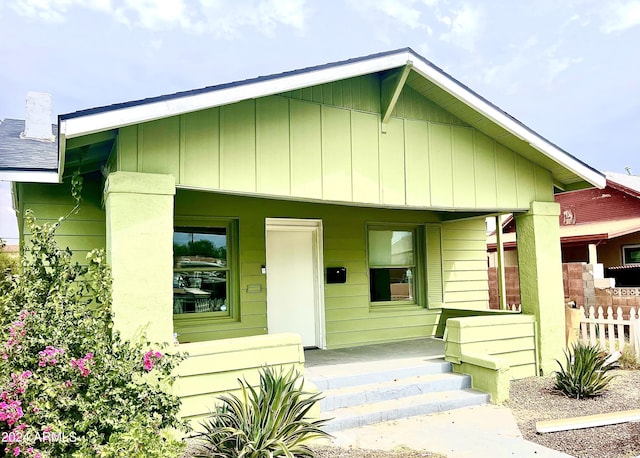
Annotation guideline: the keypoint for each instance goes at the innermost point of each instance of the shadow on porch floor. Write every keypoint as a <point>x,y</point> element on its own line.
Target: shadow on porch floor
<point>427,348</point>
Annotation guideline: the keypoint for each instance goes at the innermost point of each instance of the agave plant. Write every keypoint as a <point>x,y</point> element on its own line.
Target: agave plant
<point>585,374</point>
<point>270,421</point>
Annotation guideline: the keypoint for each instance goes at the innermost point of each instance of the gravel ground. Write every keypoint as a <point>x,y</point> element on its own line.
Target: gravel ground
<point>338,452</point>
<point>533,399</point>
<point>343,452</point>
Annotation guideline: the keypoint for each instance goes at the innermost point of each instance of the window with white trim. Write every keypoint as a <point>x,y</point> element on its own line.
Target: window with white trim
<point>631,254</point>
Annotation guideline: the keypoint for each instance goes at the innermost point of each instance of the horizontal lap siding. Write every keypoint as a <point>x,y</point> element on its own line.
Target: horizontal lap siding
<point>83,231</point>
<point>212,369</point>
<point>511,337</point>
<point>466,283</point>
<point>349,318</point>
<point>327,143</point>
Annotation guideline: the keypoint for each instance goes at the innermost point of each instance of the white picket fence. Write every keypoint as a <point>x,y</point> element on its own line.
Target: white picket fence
<point>612,332</point>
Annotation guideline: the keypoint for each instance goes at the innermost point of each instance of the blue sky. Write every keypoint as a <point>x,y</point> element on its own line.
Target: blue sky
<point>568,69</point>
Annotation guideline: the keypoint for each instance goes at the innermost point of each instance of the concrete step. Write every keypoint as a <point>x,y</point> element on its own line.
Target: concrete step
<point>394,389</point>
<point>376,412</point>
<point>358,394</point>
<point>358,374</point>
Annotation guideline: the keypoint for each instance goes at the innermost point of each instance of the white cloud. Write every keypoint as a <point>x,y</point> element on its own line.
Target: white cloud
<point>226,19</point>
<point>619,15</point>
<point>555,66</point>
<point>402,11</point>
<point>153,14</point>
<point>220,17</point>
<point>55,10</point>
<point>467,26</point>
<point>507,75</point>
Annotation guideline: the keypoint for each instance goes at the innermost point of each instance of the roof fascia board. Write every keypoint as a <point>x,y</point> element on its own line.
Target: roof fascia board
<point>494,114</point>
<point>110,119</point>
<point>28,176</point>
<point>14,197</point>
<point>62,149</point>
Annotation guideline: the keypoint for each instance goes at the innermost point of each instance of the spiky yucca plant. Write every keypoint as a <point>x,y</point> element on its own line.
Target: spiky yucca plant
<point>585,374</point>
<point>262,423</point>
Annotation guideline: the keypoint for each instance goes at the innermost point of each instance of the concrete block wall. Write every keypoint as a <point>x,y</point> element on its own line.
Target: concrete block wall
<point>572,279</point>
<point>579,286</point>
<point>512,286</point>
<point>624,298</point>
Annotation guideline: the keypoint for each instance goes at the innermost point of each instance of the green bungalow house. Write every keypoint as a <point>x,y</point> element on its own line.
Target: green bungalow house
<point>345,203</point>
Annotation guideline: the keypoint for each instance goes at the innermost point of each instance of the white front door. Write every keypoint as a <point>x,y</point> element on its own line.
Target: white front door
<point>294,279</point>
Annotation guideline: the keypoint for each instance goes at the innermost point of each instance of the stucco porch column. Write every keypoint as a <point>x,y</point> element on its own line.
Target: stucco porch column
<point>139,219</point>
<point>540,271</point>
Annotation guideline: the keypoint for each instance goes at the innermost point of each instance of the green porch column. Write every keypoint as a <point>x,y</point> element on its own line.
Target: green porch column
<point>139,213</point>
<point>540,271</point>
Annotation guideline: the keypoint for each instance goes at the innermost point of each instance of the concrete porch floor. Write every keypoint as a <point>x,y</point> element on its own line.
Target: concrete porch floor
<point>426,348</point>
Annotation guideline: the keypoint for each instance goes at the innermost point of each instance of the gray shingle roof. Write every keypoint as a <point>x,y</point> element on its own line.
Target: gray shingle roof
<point>22,154</point>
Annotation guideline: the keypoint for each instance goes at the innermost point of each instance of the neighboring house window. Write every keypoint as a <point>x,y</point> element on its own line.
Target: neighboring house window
<point>203,270</point>
<point>394,264</point>
<point>631,254</point>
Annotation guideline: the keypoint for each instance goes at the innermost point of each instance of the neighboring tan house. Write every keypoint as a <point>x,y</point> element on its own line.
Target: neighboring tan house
<point>344,202</point>
<point>597,226</point>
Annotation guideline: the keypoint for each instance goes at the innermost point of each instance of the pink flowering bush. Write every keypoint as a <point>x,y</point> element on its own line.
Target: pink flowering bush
<point>69,385</point>
<point>150,359</point>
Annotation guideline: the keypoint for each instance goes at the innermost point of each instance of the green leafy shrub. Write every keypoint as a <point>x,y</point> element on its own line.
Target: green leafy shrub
<point>139,441</point>
<point>69,384</point>
<point>8,261</point>
<point>266,422</point>
<point>584,373</point>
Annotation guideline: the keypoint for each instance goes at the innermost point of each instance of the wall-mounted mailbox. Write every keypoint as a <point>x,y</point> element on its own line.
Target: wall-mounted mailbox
<point>336,274</point>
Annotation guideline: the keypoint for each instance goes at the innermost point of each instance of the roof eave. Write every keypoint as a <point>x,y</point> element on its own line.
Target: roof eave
<point>497,116</point>
<point>29,176</point>
<point>62,148</point>
<point>110,119</point>
<point>75,126</point>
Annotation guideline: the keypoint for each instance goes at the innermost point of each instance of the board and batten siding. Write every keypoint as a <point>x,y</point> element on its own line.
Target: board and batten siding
<point>81,232</point>
<point>326,143</point>
<point>350,319</point>
<point>464,256</point>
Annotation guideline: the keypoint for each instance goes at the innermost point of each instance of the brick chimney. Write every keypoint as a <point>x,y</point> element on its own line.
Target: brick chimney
<point>37,124</point>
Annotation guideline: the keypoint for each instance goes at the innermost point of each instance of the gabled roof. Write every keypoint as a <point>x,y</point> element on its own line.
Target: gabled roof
<point>26,159</point>
<point>410,69</point>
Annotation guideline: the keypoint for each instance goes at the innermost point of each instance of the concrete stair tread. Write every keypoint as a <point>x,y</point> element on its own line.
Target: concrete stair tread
<point>423,404</point>
<point>447,379</point>
<point>357,374</point>
<point>335,370</point>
